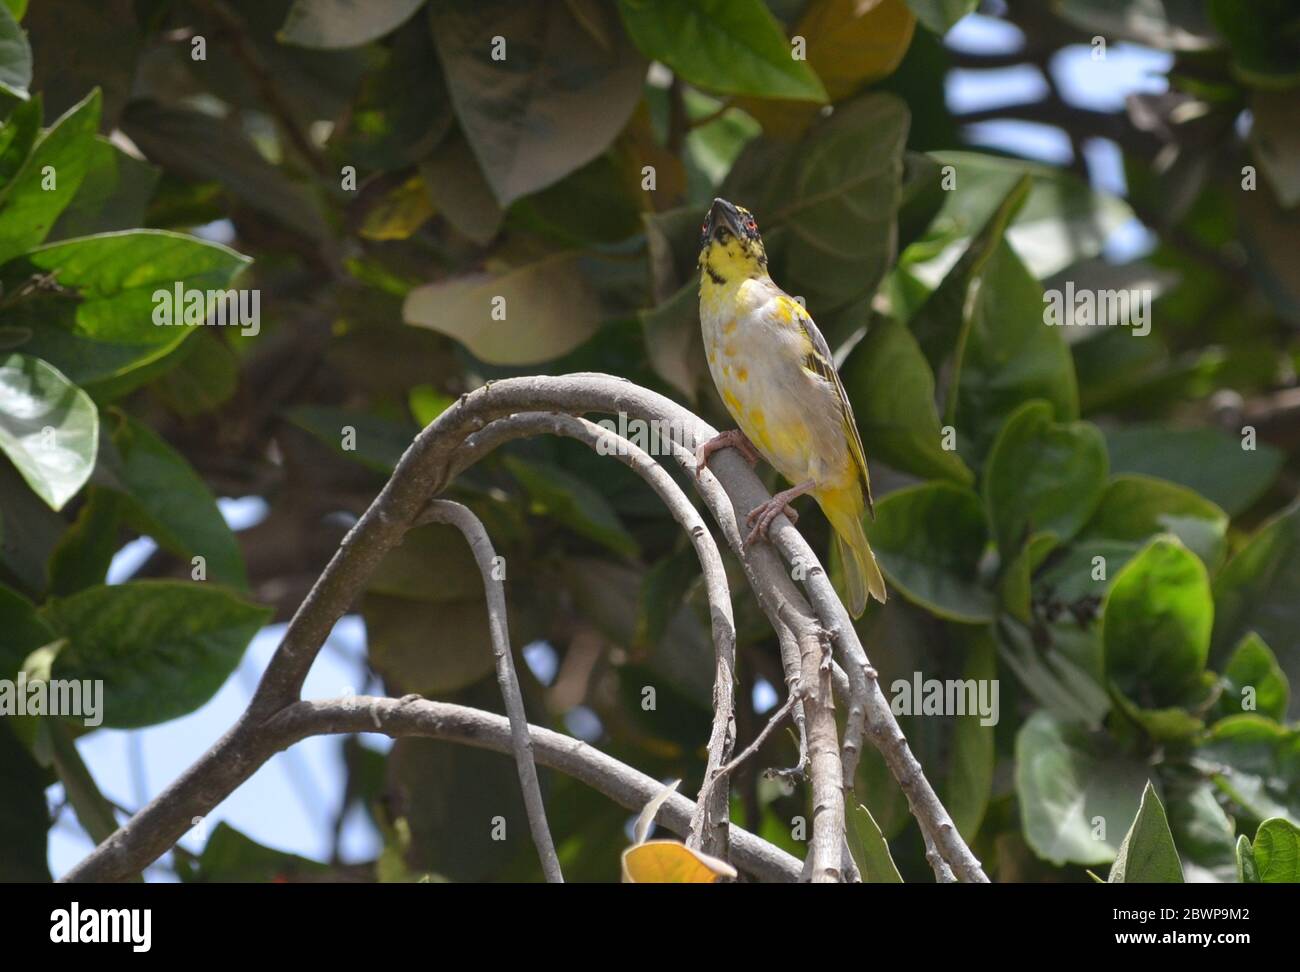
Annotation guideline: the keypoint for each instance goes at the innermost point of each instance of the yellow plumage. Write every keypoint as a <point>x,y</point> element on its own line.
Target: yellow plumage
<point>774,372</point>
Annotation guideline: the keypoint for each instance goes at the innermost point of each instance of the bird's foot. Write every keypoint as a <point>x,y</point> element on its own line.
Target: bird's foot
<point>731,439</point>
<point>761,516</point>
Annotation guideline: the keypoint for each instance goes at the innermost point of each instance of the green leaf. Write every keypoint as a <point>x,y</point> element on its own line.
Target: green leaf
<point>172,504</point>
<point>849,45</point>
<point>892,390</point>
<point>1063,220</point>
<point>1253,681</point>
<point>24,632</point>
<point>86,549</point>
<point>1252,761</point>
<point>371,440</point>
<point>24,816</point>
<point>941,16</point>
<point>1247,871</point>
<point>331,24</point>
<point>1156,624</point>
<point>673,342</point>
<point>1015,587</point>
<point>1204,460</point>
<point>728,46</point>
<point>570,501</point>
<point>1261,34</point>
<point>111,332</point>
<point>48,181</point>
<point>460,191</point>
<point>1007,356</point>
<point>230,856</point>
<point>399,647</point>
<point>49,428</point>
<point>17,136</point>
<point>432,563</point>
<point>970,772</point>
<point>1259,590</point>
<point>870,849</point>
<point>1148,855</point>
<point>827,206</point>
<point>940,322</point>
<point>1075,791</point>
<point>402,110</point>
<point>929,540</point>
<point>163,648</point>
<point>15,56</point>
<point>555,102</point>
<point>1043,477</point>
<point>1135,508</point>
<point>113,195</point>
<point>549,308</point>
<point>1277,852</point>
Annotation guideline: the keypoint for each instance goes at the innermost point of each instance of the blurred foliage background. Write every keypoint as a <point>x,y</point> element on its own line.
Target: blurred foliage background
<point>377,176</point>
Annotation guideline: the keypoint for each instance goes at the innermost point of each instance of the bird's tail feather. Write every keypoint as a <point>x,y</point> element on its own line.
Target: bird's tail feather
<point>844,508</point>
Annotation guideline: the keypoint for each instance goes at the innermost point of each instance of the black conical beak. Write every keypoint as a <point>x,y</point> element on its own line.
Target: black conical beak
<point>722,213</point>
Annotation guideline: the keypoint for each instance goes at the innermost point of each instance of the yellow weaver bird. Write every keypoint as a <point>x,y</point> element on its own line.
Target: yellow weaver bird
<point>774,372</point>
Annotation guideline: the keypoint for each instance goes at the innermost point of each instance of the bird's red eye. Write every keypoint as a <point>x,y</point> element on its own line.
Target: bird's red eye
<point>751,225</point>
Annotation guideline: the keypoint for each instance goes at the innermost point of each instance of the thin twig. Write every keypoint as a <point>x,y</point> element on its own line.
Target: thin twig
<point>777,718</point>
<point>445,511</point>
<point>709,830</point>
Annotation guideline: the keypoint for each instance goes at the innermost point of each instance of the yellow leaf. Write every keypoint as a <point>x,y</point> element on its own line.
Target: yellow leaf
<point>400,213</point>
<point>850,44</point>
<point>668,862</point>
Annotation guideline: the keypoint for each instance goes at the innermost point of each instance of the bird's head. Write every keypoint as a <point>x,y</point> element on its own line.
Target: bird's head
<point>730,247</point>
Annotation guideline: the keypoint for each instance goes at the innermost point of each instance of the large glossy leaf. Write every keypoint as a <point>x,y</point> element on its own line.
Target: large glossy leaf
<point>428,647</point>
<point>849,45</point>
<point>49,428</point>
<point>827,205</point>
<point>1253,681</point>
<point>110,332</point>
<point>891,387</point>
<point>31,202</point>
<point>1156,624</point>
<point>1204,460</point>
<point>1134,508</point>
<point>1062,222</point>
<point>343,23</point>
<point>1277,852</point>
<point>728,46</point>
<point>555,102</point>
<point>15,56</point>
<point>549,308</point>
<point>1076,792</point>
<point>929,540</point>
<point>1259,590</point>
<point>172,504</point>
<point>1148,854</point>
<point>1043,476</point>
<point>162,648</point>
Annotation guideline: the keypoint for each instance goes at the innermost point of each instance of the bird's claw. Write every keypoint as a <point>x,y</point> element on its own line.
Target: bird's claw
<point>765,514</point>
<point>731,439</point>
